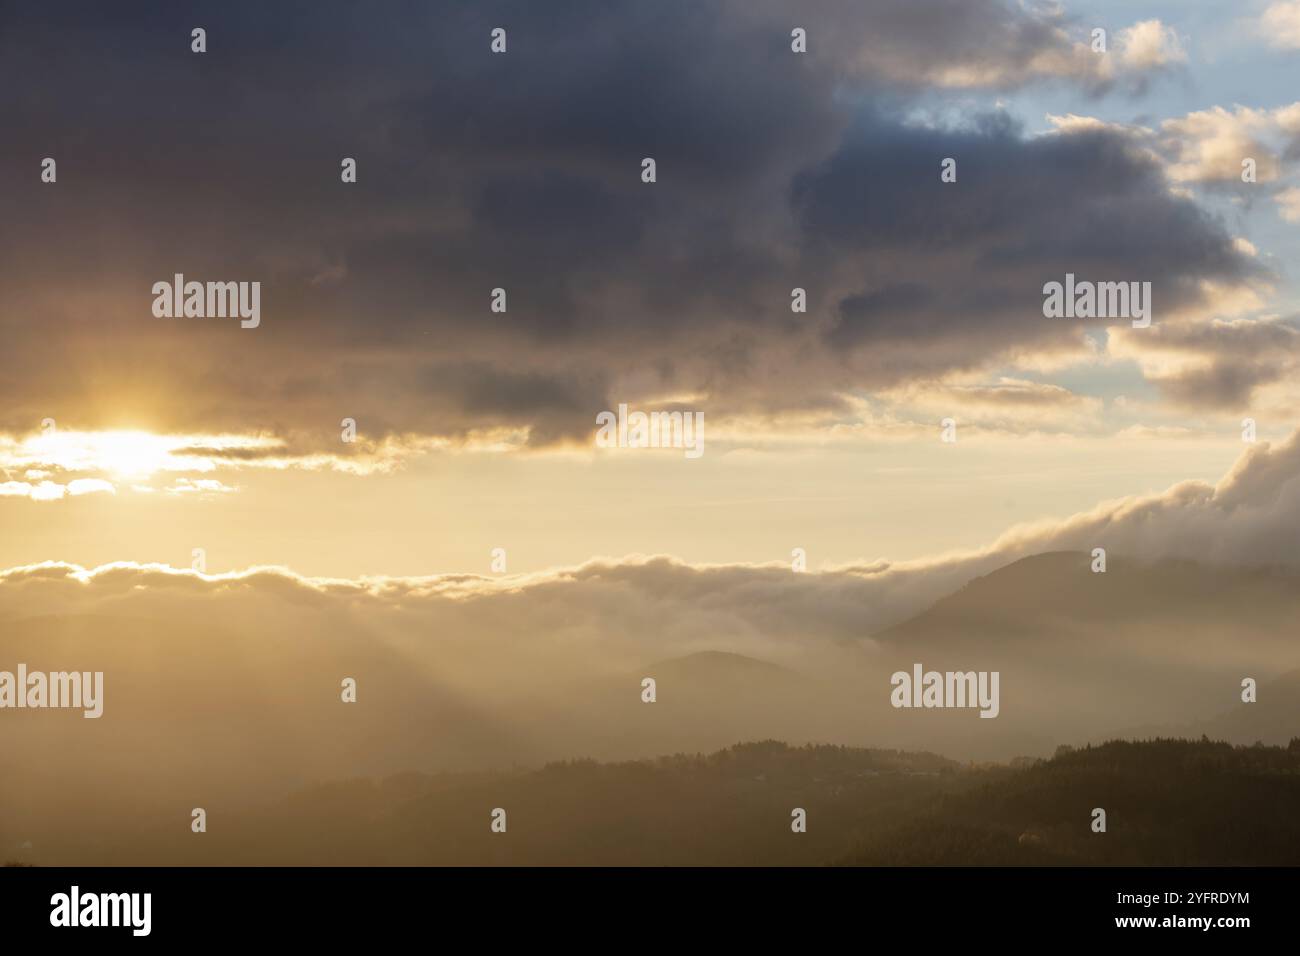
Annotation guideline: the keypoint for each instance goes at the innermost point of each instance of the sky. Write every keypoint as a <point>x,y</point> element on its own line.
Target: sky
<point>126,436</point>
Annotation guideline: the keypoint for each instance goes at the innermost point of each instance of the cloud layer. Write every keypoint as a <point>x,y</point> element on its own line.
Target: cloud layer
<point>522,171</point>
<point>1250,518</point>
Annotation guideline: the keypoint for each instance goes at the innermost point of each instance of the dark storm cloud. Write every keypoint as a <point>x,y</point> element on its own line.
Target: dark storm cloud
<point>945,275</point>
<point>1220,365</point>
<point>522,171</point>
<point>1222,384</point>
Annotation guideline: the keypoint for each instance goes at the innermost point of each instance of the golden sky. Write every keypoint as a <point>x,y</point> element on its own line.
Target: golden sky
<point>500,273</point>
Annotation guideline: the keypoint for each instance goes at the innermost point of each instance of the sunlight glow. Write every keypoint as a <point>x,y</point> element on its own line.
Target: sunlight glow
<point>122,454</point>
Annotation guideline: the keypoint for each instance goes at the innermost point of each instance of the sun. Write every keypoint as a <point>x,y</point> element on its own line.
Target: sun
<point>126,454</point>
<point>132,454</point>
